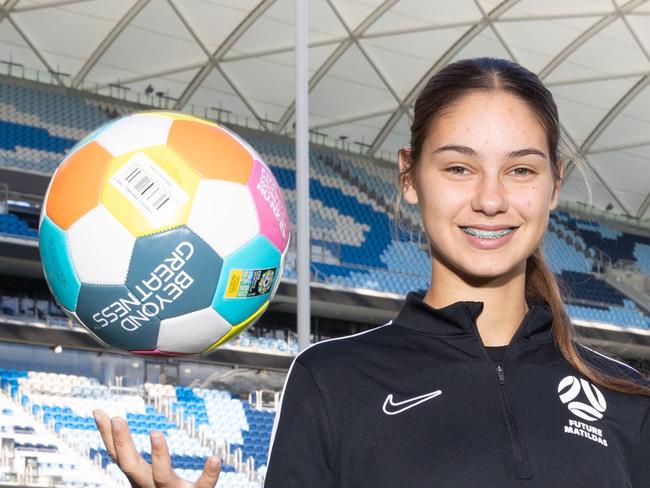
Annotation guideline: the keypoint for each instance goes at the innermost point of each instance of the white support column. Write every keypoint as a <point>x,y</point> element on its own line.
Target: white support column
<point>303,243</point>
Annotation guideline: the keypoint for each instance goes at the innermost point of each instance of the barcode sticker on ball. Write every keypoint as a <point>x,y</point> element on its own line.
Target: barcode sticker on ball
<point>149,187</point>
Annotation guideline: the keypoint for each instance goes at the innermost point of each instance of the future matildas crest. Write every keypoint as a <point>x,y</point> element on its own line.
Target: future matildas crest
<point>585,401</point>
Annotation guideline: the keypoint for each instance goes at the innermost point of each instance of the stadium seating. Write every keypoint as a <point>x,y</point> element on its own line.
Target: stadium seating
<point>38,127</point>
<point>49,416</point>
<point>626,316</point>
<point>642,255</point>
<point>355,241</point>
<point>27,309</point>
<point>615,244</point>
<point>26,441</point>
<point>12,225</point>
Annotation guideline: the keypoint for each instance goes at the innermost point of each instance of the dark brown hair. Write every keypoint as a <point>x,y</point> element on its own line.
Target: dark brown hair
<point>491,75</point>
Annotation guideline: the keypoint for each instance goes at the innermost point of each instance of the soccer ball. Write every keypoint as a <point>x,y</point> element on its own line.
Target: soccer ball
<point>163,234</point>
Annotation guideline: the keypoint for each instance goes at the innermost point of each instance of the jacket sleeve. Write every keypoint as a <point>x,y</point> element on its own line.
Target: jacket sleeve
<point>300,452</point>
<point>641,471</point>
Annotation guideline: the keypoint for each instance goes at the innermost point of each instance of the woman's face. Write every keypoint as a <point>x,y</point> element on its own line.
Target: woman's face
<point>485,185</point>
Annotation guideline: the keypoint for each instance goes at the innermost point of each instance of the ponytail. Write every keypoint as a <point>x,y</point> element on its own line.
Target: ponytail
<point>542,284</point>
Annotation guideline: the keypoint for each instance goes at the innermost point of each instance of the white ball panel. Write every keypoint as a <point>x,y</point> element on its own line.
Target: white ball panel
<point>100,247</point>
<point>192,332</point>
<point>135,132</point>
<point>224,215</point>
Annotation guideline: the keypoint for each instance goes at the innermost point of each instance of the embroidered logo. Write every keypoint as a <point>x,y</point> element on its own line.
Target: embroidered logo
<point>392,407</point>
<point>585,401</point>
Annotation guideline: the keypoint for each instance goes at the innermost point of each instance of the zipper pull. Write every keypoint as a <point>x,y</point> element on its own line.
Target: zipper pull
<point>501,375</point>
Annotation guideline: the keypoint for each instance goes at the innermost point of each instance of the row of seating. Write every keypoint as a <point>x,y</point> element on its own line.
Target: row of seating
<point>350,196</point>
<point>11,225</point>
<point>615,244</point>
<point>47,311</point>
<point>70,417</point>
<point>50,457</point>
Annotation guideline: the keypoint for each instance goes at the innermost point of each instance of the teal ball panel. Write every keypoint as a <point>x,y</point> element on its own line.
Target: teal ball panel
<point>57,264</point>
<point>119,316</point>
<point>176,269</point>
<point>246,281</point>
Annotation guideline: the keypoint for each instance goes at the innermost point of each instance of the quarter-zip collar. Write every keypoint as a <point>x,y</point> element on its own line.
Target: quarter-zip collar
<point>459,318</point>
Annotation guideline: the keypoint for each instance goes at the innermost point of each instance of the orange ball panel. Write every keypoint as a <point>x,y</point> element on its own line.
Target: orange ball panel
<point>212,152</point>
<point>77,184</point>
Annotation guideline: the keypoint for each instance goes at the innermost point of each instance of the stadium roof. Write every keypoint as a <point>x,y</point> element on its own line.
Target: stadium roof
<point>368,59</point>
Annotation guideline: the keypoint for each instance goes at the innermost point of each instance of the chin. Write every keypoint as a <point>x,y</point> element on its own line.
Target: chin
<point>481,267</point>
<point>489,271</point>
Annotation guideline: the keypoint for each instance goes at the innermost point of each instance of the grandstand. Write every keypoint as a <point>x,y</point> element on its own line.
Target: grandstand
<point>49,435</point>
<point>53,373</point>
<point>355,244</point>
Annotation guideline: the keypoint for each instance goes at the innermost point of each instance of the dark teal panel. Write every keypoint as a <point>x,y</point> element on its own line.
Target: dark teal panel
<point>176,269</point>
<point>57,264</point>
<point>257,262</point>
<point>119,317</point>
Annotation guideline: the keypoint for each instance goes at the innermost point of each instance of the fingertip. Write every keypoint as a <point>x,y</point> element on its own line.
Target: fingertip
<point>97,415</point>
<point>211,472</point>
<point>156,438</point>
<point>116,424</point>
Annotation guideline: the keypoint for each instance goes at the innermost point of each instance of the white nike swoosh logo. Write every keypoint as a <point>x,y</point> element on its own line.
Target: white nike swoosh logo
<point>409,403</point>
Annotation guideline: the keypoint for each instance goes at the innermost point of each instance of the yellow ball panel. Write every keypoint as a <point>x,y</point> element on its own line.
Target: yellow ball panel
<point>150,190</point>
<point>236,329</point>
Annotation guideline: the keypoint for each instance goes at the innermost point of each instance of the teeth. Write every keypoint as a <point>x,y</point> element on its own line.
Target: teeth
<point>486,234</point>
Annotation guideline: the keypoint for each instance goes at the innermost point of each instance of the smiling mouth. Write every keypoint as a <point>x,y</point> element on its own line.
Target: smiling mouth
<point>487,234</point>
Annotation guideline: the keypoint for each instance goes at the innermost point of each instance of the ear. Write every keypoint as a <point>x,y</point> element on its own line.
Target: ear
<point>557,184</point>
<point>408,187</point>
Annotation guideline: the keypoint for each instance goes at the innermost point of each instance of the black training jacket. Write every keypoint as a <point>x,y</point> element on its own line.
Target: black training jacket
<point>419,403</point>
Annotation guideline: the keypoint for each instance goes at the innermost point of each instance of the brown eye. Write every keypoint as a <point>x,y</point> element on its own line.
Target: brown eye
<point>457,170</point>
<point>522,171</point>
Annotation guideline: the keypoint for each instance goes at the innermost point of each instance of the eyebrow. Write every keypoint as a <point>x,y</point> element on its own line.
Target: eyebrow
<point>470,152</point>
<point>452,147</point>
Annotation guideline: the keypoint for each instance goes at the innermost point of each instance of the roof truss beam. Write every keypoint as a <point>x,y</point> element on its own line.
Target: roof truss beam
<point>363,51</point>
<point>455,48</point>
<point>593,79</point>
<point>107,42</point>
<point>335,56</point>
<point>6,10</point>
<point>621,147</point>
<point>643,208</point>
<point>60,3</point>
<point>602,126</point>
<point>614,112</point>
<point>233,86</point>
<point>220,52</point>
<point>57,76</point>
<point>586,35</point>
<point>588,169</point>
<point>351,120</point>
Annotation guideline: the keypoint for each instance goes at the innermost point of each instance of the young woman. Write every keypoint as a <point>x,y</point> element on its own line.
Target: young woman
<point>479,382</point>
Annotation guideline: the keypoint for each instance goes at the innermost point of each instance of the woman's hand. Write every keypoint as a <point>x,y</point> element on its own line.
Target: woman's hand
<point>119,444</point>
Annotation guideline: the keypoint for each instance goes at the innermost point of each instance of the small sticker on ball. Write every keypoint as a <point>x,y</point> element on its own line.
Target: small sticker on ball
<point>149,187</point>
<point>245,283</point>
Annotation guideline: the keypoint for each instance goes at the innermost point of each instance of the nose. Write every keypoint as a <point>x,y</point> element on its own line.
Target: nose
<point>490,196</point>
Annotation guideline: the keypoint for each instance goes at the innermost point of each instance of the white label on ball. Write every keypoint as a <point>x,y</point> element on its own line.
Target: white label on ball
<point>149,187</point>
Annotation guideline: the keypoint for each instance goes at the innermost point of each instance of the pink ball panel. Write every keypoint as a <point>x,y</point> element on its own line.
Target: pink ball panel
<point>274,220</point>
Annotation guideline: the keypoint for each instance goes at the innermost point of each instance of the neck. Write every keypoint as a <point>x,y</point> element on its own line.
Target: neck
<point>504,300</point>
